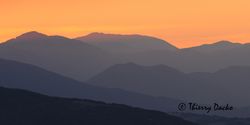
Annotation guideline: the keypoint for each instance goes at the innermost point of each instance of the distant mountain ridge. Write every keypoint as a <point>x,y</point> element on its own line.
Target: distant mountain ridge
<point>215,56</point>
<point>198,59</point>
<point>126,43</point>
<point>227,85</point>
<point>23,76</point>
<point>58,54</point>
<point>216,47</point>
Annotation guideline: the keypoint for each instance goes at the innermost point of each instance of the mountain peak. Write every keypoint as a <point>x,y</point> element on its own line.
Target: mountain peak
<point>223,42</point>
<point>130,65</point>
<point>216,47</point>
<point>108,36</point>
<point>103,35</point>
<point>126,43</point>
<point>96,34</point>
<point>31,35</point>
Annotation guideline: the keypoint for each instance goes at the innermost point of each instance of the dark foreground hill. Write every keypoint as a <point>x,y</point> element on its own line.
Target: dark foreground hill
<point>19,107</point>
<point>213,120</point>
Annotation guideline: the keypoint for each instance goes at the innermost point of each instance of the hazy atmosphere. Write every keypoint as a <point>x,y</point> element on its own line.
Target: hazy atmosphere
<point>124,62</point>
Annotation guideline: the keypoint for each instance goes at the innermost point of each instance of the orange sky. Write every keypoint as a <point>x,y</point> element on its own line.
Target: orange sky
<point>183,23</point>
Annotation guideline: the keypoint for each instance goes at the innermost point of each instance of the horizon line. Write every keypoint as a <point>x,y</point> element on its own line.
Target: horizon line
<point>125,34</point>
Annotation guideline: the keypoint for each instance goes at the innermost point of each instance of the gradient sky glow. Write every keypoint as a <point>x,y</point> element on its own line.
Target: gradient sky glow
<point>183,23</point>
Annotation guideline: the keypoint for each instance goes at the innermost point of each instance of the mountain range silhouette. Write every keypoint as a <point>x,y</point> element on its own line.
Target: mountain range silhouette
<point>135,70</point>
<point>76,57</point>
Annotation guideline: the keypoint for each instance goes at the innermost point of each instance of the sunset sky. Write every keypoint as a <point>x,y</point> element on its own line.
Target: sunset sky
<point>183,23</point>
